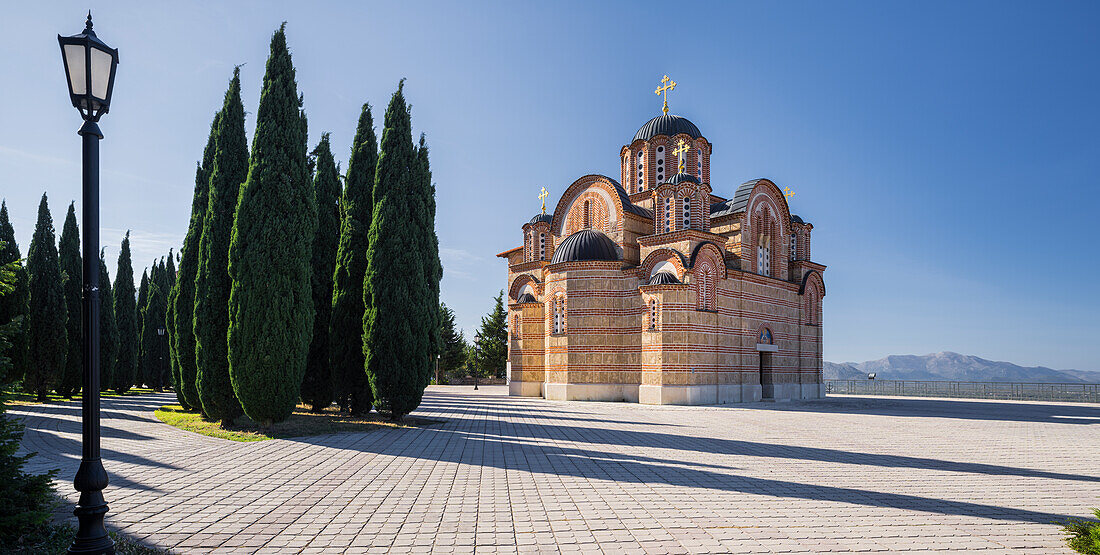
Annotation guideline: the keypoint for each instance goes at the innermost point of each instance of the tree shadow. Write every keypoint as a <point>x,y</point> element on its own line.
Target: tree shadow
<point>966,409</point>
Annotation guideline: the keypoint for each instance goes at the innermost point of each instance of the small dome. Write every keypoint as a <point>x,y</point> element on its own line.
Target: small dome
<point>796,220</point>
<point>527,298</point>
<point>681,178</point>
<point>586,244</point>
<point>662,278</point>
<point>667,125</point>
<point>542,218</point>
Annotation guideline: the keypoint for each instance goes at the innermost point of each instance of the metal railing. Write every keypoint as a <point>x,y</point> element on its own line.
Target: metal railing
<point>1070,392</point>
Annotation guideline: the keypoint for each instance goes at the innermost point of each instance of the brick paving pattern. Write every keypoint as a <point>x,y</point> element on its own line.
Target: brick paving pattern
<point>510,474</point>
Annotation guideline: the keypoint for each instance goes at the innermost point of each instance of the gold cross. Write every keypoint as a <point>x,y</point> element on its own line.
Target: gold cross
<point>669,85</point>
<point>680,151</point>
<point>542,197</point>
<point>787,192</point>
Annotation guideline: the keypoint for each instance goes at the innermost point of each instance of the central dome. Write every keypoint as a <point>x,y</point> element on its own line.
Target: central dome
<point>586,244</point>
<point>666,125</point>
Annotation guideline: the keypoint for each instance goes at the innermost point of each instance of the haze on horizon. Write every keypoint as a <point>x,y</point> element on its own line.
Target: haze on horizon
<point>946,153</point>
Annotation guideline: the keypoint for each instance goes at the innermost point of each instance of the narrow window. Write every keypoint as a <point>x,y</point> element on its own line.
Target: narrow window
<point>660,164</point>
<point>653,314</point>
<point>668,214</point>
<point>687,213</point>
<point>794,247</point>
<point>699,164</point>
<point>559,315</point>
<point>587,214</point>
<point>542,246</point>
<point>641,171</point>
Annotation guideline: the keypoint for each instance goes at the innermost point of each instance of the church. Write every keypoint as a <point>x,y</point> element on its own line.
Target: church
<point>660,288</point>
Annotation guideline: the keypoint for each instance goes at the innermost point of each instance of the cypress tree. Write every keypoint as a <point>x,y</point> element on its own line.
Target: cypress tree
<point>271,307</point>
<point>14,304</point>
<point>493,352</point>
<point>452,343</point>
<point>345,331</point>
<point>68,252</point>
<point>155,353</point>
<point>422,197</point>
<point>143,341</point>
<point>395,341</point>
<point>229,167</point>
<point>125,374</point>
<point>108,329</point>
<point>163,344</point>
<point>170,326</point>
<point>318,384</point>
<point>46,336</point>
<point>182,296</point>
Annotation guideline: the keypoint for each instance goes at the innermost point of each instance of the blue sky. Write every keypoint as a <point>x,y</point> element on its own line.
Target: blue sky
<point>946,153</point>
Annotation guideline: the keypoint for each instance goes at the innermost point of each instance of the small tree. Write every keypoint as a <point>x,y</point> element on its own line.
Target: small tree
<point>493,347</point>
<point>143,341</point>
<point>453,344</point>
<point>108,328</point>
<point>68,252</point>
<point>46,336</point>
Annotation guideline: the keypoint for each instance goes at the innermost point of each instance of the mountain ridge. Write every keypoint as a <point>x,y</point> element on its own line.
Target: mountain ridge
<point>950,366</point>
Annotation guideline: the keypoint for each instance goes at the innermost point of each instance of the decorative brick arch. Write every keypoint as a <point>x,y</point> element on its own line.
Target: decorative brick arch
<point>589,211</point>
<point>812,292</point>
<point>575,195</point>
<point>707,266</point>
<point>712,251</point>
<point>663,255</point>
<point>767,217</point>
<point>556,300</point>
<point>519,283</point>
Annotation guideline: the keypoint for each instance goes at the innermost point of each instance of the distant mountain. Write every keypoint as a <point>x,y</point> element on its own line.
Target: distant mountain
<point>950,366</point>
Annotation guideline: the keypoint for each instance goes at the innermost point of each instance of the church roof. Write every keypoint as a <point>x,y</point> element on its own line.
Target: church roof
<point>736,204</point>
<point>682,177</point>
<point>669,125</point>
<point>662,278</point>
<point>627,205</point>
<point>586,244</point>
<point>542,218</point>
<point>796,220</point>
<point>527,298</point>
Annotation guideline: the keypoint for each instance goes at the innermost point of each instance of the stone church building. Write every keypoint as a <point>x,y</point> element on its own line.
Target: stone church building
<point>659,289</point>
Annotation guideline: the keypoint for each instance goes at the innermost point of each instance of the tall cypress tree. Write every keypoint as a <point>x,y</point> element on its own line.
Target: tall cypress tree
<point>143,341</point>
<point>108,328</point>
<point>271,307</point>
<point>318,383</point>
<point>345,331</point>
<point>394,287</point>
<point>422,199</point>
<point>14,304</point>
<point>125,374</point>
<point>229,167</point>
<point>46,315</point>
<point>71,276</point>
<point>182,297</point>
<point>170,326</point>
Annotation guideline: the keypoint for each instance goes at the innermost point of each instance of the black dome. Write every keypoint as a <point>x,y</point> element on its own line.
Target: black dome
<point>527,298</point>
<point>667,125</point>
<point>586,244</point>
<point>662,278</point>
<point>542,218</point>
<point>682,177</point>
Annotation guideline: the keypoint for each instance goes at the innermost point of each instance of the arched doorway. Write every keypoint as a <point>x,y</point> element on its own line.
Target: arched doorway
<point>765,346</point>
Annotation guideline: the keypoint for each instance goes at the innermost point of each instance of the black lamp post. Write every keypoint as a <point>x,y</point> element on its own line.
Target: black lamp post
<point>90,71</point>
<point>477,358</point>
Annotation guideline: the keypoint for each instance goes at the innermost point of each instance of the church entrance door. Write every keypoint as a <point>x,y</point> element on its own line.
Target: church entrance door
<point>767,384</point>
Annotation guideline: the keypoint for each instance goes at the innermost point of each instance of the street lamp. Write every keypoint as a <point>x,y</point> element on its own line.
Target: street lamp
<point>477,358</point>
<point>90,73</point>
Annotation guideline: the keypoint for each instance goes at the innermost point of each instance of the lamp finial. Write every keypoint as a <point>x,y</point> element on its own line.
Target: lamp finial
<point>88,24</point>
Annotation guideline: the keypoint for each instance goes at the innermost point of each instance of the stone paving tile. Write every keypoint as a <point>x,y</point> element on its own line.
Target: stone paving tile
<point>516,475</point>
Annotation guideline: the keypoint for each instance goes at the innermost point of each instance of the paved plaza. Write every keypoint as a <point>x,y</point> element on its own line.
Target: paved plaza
<point>506,474</point>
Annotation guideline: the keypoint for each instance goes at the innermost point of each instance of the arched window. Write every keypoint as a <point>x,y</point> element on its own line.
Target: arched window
<point>794,247</point>
<point>559,314</point>
<point>542,246</point>
<point>528,251</point>
<point>515,327</point>
<point>641,170</point>
<point>654,315</point>
<point>687,213</point>
<point>660,164</point>
<point>668,214</point>
<point>699,164</point>
<point>706,287</point>
<point>587,214</point>
<point>764,255</point>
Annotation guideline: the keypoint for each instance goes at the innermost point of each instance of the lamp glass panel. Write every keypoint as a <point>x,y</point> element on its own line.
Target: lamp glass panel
<point>101,72</point>
<point>74,61</point>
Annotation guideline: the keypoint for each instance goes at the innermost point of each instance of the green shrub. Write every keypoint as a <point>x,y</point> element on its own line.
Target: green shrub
<point>1083,536</point>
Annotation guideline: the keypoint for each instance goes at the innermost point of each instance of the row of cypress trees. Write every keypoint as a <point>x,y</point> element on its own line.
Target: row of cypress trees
<point>290,290</point>
<point>46,351</point>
